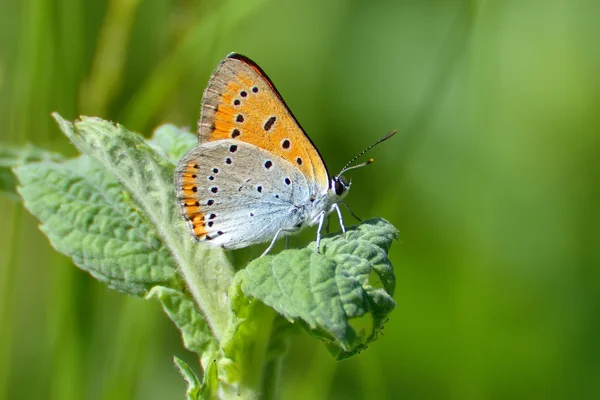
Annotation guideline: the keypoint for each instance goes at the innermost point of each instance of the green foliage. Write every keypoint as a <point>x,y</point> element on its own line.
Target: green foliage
<point>194,385</point>
<point>182,310</point>
<point>331,290</point>
<point>148,178</point>
<point>171,142</point>
<point>84,214</point>
<point>14,156</point>
<point>113,211</point>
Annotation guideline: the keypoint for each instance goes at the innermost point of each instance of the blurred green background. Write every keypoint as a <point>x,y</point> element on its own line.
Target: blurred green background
<point>493,181</point>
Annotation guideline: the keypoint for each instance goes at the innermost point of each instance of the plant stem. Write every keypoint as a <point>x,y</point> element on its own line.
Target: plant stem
<point>212,301</point>
<point>253,355</point>
<point>271,377</point>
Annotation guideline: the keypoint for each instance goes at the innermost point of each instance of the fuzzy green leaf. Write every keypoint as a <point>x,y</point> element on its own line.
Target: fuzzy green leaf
<point>148,177</point>
<point>172,142</point>
<point>84,214</point>
<point>11,157</point>
<point>343,295</point>
<point>182,310</point>
<point>208,389</point>
<point>210,382</point>
<point>194,387</point>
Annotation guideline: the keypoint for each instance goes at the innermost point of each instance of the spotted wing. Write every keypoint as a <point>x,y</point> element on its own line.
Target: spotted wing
<point>234,194</point>
<point>241,103</point>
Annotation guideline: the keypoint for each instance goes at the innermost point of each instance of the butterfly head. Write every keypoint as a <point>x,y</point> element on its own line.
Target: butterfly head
<point>340,187</point>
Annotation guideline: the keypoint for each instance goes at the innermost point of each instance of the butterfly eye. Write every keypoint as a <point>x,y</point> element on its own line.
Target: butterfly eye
<point>339,187</point>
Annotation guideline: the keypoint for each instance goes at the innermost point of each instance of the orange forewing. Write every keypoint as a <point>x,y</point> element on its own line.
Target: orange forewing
<point>241,103</point>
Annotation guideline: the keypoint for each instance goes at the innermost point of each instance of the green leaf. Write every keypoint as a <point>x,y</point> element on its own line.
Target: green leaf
<point>11,156</point>
<point>194,387</point>
<point>171,142</point>
<point>84,214</point>
<point>343,295</point>
<point>208,389</point>
<point>148,178</point>
<point>210,382</point>
<point>182,310</point>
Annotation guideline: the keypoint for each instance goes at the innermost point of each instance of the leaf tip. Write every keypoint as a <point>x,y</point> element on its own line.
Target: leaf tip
<point>66,126</point>
<point>194,385</point>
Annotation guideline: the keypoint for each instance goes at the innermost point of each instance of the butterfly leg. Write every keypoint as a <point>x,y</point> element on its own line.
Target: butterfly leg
<point>275,239</point>
<point>321,220</point>
<point>339,213</point>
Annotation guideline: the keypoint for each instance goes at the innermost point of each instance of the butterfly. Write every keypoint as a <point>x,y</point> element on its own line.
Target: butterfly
<point>254,176</point>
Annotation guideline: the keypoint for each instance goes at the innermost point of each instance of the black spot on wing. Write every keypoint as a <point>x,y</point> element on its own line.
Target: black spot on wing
<point>269,124</point>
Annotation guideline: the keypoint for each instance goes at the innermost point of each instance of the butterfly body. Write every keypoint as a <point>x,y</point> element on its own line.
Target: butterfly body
<point>254,175</point>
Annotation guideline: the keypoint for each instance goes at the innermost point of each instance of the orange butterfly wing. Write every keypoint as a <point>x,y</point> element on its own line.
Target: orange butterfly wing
<point>240,102</point>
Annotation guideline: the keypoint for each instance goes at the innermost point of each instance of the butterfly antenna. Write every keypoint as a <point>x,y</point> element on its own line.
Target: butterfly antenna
<point>347,167</point>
